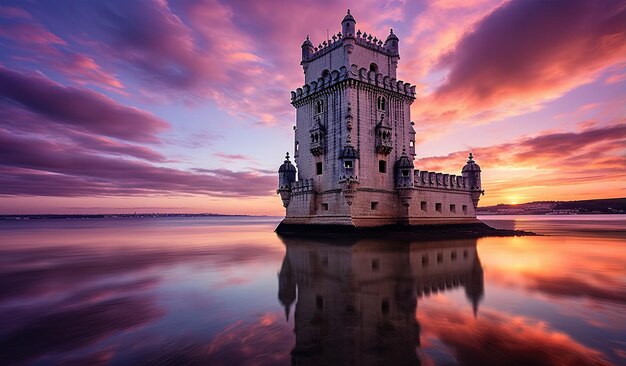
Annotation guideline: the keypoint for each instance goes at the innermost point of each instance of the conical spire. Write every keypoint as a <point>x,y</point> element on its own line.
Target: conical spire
<point>286,286</point>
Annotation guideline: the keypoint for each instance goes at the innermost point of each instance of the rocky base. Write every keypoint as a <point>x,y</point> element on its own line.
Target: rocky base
<point>416,232</point>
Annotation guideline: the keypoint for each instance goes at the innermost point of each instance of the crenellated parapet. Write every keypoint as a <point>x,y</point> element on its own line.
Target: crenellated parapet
<point>355,73</point>
<point>301,187</point>
<point>428,179</point>
<point>337,40</point>
<point>372,42</point>
<point>325,47</point>
<point>384,81</point>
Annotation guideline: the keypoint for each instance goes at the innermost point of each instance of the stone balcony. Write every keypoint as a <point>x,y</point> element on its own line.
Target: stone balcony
<point>384,144</point>
<point>317,147</point>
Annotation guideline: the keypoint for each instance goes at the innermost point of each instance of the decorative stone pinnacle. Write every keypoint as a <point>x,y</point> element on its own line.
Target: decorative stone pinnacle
<point>307,37</point>
<point>348,11</point>
<point>471,158</point>
<point>391,31</point>
<point>287,157</point>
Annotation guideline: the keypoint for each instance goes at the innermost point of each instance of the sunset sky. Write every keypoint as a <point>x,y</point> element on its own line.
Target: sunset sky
<point>183,105</point>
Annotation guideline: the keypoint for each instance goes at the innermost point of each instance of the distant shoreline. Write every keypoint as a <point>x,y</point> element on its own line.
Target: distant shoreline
<point>174,215</point>
<point>607,206</point>
<point>114,216</point>
<point>478,213</point>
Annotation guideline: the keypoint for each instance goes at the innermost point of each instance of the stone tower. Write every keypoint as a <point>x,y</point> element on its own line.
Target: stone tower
<point>354,142</point>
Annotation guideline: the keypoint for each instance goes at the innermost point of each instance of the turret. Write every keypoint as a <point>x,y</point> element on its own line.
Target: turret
<point>471,171</point>
<point>392,44</point>
<point>348,25</point>
<point>286,176</point>
<point>286,285</point>
<point>404,171</point>
<point>307,48</point>
<point>475,286</point>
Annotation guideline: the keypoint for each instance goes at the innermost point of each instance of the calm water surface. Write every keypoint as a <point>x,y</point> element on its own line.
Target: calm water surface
<point>229,291</point>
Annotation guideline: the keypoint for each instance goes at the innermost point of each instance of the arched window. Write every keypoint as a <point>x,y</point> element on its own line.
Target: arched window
<point>319,107</point>
<point>374,67</point>
<point>382,103</point>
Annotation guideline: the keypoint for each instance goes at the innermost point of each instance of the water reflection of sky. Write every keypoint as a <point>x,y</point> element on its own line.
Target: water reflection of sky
<point>205,291</point>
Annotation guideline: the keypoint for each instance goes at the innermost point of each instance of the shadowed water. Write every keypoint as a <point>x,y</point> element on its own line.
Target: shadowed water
<point>229,291</point>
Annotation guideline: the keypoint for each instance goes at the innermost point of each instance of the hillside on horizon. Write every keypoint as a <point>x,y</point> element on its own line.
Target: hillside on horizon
<point>595,206</point>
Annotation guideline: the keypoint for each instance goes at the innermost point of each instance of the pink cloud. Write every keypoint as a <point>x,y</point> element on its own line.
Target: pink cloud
<point>233,157</point>
<point>84,70</point>
<point>10,12</point>
<point>29,33</point>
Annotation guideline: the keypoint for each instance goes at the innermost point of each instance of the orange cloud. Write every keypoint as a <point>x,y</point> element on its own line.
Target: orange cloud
<point>546,162</point>
<point>501,339</point>
<point>523,54</point>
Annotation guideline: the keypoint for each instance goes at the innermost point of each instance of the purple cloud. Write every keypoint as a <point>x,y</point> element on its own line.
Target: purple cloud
<point>80,108</point>
<point>81,326</point>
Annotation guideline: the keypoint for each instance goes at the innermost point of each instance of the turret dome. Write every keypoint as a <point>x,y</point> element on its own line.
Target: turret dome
<point>287,166</point>
<point>404,161</point>
<point>307,42</point>
<point>347,25</point>
<point>471,165</point>
<point>348,17</point>
<point>391,36</point>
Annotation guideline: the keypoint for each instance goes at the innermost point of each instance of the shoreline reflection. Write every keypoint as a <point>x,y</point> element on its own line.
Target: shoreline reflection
<point>355,303</point>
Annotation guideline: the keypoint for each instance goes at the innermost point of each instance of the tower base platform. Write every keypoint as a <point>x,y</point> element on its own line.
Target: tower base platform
<point>426,230</point>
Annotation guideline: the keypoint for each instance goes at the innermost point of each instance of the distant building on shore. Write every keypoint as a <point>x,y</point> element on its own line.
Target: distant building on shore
<point>354,143</point>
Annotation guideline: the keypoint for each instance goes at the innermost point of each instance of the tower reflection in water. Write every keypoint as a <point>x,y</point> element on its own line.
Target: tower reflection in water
<point>355,302</point>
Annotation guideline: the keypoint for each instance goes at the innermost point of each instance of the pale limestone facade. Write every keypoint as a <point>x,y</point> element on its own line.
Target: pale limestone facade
<point>354,143</point>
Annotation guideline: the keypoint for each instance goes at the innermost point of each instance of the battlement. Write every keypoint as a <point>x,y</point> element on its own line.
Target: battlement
<point>325,47</point>
<point>425,178</point>
<point>373,43</point>
<point>355,73</point>
<point>302,187</point>
<point>362,39</point>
